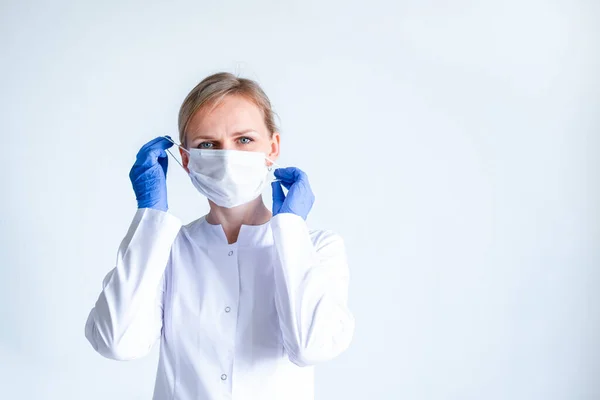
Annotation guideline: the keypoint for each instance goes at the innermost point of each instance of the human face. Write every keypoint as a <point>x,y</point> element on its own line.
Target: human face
<point>235,124</point>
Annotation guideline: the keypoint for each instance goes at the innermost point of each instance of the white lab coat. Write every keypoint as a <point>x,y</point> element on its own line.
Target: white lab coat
<point>238,321</point>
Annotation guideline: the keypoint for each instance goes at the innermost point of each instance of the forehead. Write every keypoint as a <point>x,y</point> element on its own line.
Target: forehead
<point>232,113</point>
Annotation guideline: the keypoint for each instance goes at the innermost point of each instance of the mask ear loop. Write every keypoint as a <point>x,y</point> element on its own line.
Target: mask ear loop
<point>181,147</point>
<point>270,168</point>
<point>272,163</point>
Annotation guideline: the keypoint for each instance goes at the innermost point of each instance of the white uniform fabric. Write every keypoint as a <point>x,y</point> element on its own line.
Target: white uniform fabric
<point>236,321</point>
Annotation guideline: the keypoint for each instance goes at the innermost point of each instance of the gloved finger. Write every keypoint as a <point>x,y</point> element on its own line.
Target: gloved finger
<point>159,143</point>
<point>150,158</point>
<point>151,161</point>
<point>164,162</point>
<point>285,173</point>
<point>152,151</point>
<point>278,195</point>
<point>290,174</point>
<point>287,184</point>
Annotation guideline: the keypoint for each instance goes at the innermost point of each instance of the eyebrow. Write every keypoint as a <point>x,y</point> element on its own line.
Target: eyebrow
<point>238,133</point>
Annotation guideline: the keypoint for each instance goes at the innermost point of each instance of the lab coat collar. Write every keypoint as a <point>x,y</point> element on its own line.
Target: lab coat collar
<point>249,236</point>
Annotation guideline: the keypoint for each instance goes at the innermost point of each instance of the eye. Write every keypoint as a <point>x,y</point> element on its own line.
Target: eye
<point>205,145</point>
<point>246,140</point>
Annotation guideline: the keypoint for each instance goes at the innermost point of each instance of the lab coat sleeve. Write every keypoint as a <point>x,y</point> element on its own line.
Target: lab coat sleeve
<point>127,318</point>
<point>311,291</point>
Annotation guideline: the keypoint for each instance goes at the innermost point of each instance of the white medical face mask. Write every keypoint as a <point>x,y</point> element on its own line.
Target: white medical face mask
<point>229,178</point>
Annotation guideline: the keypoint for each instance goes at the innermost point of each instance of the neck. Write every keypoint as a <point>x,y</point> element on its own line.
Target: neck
<point>231,219</point>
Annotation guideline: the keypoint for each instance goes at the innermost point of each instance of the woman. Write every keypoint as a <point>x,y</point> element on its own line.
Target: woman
<point>244,301</point>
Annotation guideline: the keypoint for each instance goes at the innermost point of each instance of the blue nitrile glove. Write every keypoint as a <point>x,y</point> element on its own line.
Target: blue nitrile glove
<point>149,175</point>
<point>300,197</point>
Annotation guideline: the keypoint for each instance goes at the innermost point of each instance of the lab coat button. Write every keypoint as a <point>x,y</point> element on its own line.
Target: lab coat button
<point>227,309</point>
<point>223,377</point>
<point>231,253</point>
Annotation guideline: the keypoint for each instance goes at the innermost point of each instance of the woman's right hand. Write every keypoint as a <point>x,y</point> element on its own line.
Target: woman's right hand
<point>149,175</point>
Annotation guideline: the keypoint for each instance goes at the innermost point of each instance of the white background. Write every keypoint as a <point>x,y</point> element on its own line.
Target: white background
<point>452,144</point>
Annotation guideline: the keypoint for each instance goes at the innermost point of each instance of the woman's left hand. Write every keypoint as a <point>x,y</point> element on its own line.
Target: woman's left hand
<point>300,197</point>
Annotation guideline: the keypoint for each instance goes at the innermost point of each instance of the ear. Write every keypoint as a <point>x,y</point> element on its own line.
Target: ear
<point>185,159</point>
<point>275,144</point>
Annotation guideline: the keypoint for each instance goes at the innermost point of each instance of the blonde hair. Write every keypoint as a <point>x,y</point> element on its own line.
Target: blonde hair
<point>213,89</point>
